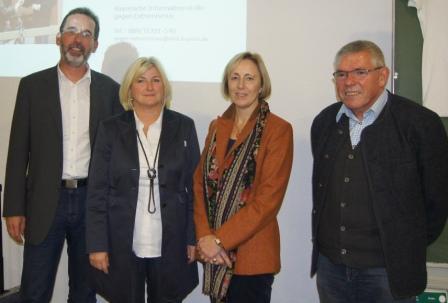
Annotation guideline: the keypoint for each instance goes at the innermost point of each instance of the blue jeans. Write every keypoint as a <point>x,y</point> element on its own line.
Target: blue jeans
<point>338,283</point>
<point>40,262</point>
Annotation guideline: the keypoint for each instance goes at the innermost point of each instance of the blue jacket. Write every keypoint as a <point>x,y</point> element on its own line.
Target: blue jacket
<point>405,154</point>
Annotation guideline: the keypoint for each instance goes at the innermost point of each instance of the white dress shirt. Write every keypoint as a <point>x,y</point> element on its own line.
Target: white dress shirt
<point>75,107</point>
<point>147,241</point>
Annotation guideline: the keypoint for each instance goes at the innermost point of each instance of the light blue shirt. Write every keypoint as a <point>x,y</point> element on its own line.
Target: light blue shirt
<point>357,126</point>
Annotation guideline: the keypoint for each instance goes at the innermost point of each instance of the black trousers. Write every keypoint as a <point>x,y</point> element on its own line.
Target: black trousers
<point>250,289</point>
<point>148,273</point>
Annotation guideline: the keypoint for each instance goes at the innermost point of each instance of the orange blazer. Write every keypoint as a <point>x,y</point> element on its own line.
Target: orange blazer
<point>253,230</point>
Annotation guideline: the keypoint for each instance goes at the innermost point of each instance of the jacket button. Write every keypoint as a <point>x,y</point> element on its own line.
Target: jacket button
<point>326,156</point>
<point>340,131</point>
<point>163,205</point>
<point>320,185</point>
<point>314,211</point>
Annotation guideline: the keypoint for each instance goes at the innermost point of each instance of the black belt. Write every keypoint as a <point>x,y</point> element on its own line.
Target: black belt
<point>74,183</point>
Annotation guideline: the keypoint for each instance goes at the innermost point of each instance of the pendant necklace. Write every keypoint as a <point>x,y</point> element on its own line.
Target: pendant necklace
<point>152,174</point>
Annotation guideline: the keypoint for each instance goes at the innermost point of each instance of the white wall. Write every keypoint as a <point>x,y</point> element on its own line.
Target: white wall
<point>298,40</point>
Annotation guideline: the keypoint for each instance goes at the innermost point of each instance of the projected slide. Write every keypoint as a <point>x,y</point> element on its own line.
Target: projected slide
<point>193,39</point>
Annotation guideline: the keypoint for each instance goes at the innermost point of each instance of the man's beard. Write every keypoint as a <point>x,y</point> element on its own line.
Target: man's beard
<point>75,61</point>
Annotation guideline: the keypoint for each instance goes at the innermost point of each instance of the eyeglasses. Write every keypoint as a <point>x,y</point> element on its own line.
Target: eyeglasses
<point>71,31</point>
<point>357,74</point>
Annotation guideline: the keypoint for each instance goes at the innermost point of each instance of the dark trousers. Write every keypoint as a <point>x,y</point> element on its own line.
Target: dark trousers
<point>338,283</point>
<point>40,262</point>
<point>250,289</point>
<point>148,273</point>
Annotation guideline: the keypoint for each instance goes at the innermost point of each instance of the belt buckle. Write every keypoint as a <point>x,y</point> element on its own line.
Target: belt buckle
<point>71,184</point>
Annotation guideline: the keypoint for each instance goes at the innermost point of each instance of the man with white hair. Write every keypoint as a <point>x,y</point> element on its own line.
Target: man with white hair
<point>379,185</point>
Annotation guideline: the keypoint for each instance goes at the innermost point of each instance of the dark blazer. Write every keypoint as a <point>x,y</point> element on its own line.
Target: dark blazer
<point>112,200</point>
<point>34,165</point>
<point>406,159</point>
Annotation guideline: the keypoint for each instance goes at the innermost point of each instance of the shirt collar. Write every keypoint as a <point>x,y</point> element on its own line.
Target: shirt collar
<point>374,110</point>
<point>87,75</point>
<point>157,125</point>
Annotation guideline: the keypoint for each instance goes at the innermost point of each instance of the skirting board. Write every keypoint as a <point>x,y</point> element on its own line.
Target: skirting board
<point>437,276</point>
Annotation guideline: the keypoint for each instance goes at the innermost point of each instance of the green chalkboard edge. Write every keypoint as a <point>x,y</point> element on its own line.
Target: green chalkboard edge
<point>407,63</point>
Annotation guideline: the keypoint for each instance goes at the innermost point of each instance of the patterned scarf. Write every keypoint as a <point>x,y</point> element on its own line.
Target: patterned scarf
<point>224,197</point>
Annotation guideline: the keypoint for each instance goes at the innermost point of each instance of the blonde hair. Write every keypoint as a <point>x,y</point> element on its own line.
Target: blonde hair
<point>265,92</point>
<point>137,68</point>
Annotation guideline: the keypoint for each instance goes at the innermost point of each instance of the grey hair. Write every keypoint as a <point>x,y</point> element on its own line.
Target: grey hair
<point>361,46</point>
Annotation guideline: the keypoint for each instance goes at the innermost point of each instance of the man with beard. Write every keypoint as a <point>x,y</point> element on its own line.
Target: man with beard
<point>55,119</point>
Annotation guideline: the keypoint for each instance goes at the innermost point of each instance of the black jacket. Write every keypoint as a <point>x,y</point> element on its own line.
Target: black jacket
<point>112,201</point>
<point>34,165</point>
<point>406,159</point>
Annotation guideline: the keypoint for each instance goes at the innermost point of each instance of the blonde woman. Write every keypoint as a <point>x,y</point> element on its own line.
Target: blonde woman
<point>239,187</point>
<point>140,201</point>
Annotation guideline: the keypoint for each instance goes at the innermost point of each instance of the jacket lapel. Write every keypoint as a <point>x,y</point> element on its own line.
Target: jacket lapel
<point>223,131</point>
<point>128,150</point>
<point>338,133</point>
<point>54,100</point>
<point>95,96</point>
<point>167,135</point>
<point>129,137</point>
<point>380,131</point>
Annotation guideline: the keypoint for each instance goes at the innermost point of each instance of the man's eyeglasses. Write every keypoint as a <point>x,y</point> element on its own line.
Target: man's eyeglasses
<point>358,74</point>
<point>71,31</point>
